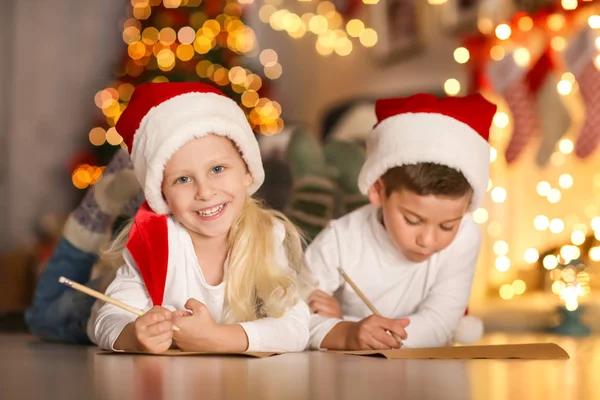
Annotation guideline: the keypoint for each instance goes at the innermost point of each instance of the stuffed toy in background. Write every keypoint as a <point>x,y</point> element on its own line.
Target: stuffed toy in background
<point>312,202</point>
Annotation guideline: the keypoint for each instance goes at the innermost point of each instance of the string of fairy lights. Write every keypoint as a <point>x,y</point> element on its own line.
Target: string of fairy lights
<point>151,49</point>
<point>565,266</point>
<point>333,34</point>
<point>154,49</point>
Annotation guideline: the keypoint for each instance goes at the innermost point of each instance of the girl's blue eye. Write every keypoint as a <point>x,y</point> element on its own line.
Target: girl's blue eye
<point>183,179</point>
<point>218,169</point>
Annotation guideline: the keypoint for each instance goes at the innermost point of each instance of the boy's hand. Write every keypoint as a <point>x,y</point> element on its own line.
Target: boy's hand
<point>325,305</point>
<point>153,331</point>
<point>370,333</point>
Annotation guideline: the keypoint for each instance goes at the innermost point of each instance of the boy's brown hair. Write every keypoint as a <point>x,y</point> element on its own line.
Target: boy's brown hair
<point>426,179</point>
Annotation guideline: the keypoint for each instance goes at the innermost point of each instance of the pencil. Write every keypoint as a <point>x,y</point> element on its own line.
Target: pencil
<point>103,297</point>
<point>365,300</point>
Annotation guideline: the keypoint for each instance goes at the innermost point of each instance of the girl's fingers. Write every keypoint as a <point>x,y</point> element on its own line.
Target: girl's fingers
<point>181,313</point>
<point>163,337</point>
<point>159,328</point>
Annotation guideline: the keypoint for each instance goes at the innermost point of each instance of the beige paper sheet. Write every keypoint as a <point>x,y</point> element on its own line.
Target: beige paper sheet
<point>178,353</point>
<point>531,351</point>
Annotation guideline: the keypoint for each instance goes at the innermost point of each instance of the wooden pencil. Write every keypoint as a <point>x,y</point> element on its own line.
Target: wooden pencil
<point>365,300</point>
<point>103,297</point>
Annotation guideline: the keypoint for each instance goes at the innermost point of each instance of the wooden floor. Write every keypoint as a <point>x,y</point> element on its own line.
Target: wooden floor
<point>34,370</point>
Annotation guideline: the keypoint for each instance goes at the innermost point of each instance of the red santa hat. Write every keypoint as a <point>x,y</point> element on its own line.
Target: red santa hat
<point>162,117</point>
<point>159,119</point>
<point>451,131</point>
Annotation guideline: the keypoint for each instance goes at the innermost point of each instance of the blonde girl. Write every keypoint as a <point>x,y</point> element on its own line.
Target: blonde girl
<point>201,253</point>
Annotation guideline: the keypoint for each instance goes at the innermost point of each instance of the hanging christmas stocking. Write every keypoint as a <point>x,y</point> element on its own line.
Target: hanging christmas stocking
<point>510,80</point>
<point>579,57</point>
<point>554,117</point>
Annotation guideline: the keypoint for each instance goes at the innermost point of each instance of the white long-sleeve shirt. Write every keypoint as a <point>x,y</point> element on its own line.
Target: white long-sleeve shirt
<point>433,294</point>
<point>185,280</point>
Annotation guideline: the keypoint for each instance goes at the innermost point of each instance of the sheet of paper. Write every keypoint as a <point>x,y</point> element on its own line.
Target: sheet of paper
<point>178,353</point>
<point>531,351</point>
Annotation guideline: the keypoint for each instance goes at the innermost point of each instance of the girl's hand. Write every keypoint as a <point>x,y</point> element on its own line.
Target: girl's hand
<point>199,331</point>
<point>323,304</point>
<point>151,332</point>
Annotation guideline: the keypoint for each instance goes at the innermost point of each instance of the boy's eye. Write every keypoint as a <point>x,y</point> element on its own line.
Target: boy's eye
<point>410,222</point>
<point>183,179</point>
<point>218,169</point>
<point>447,228</point>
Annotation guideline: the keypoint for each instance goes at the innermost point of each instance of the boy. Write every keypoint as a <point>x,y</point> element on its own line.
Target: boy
<point>414,249</point>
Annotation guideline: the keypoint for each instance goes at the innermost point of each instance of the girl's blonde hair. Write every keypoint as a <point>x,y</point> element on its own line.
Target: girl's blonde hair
<point>256,285</point>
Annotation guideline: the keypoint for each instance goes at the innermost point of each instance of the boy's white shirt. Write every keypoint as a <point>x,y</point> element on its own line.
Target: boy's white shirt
<point>185,280</point>
<point>433,294</point>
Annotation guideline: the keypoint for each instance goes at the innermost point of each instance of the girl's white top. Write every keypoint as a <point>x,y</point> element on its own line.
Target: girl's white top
<point>184,281</point>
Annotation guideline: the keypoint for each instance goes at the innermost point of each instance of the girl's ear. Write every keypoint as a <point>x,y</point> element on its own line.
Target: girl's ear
<point>376,193</point>
<point>248,179</point>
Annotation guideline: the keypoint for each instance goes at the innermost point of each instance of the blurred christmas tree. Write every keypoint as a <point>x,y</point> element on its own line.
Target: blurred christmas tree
<point>181,40</point>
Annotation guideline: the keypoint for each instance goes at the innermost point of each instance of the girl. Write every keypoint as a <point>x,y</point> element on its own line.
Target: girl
<point>201,254</point>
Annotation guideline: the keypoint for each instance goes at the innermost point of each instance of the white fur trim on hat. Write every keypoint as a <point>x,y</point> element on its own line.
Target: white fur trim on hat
<point>414,138</point>
<point>173,123</point>
<point>470,330</point>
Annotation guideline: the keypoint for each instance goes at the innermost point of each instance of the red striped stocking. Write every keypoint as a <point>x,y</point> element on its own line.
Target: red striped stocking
<point>510,80</point>
<point>580,59</point>
<point>589,87</point>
